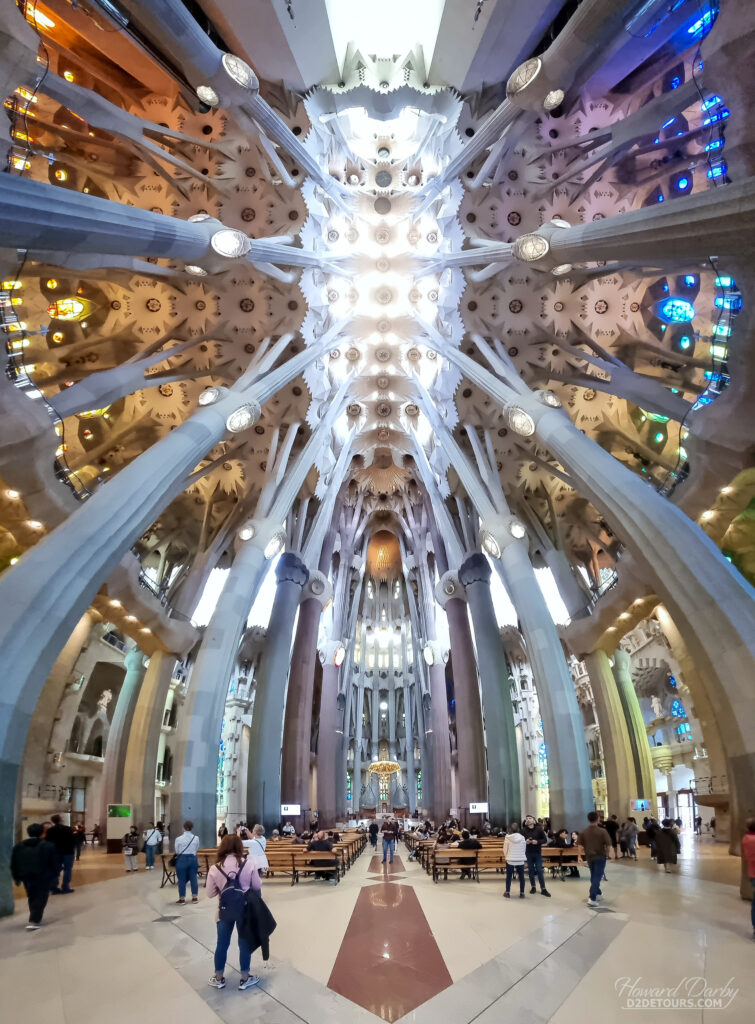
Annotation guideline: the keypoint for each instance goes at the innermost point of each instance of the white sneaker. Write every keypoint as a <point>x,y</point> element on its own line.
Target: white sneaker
<point>248,982</point>
<point>215,983</point>
<point>32,927</point>
<point>593,903</point>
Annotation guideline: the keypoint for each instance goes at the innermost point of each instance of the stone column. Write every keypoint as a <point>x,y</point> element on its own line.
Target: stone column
<point>297,728</point>
<point>264,771</point>
<point>411,769</point>
<point>201,721</point>
<point>503,764</point>
<point>61,220</point>
<point>441,741</point>
<point>375,715</point>
<point>472,779</point>
<point>638,737</point>
<point>140,763</point>
<point>717,222</point>
<point>327,744</point>
<point>356,787</point>
<point>111,784</point>
<point>617,750</point>
<point>570,785</point>
<point>392,723</point>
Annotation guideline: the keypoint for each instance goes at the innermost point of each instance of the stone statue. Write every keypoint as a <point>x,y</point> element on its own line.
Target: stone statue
<point>657,706</point>
<point>105,697</point>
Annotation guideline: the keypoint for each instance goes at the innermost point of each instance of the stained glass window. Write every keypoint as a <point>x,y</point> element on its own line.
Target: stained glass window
<point>543,759</point>
<point>677,709</point>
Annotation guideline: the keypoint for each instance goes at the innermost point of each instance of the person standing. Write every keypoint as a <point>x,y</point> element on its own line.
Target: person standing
<point>96,835</point>
<point>596,844</point>
<point>187,865</point>
<point>34,864</point>
<point>152,838</point>
<point>374,834</point>
<point>61,837</point>
<point>698,826</point>
<point>612,828</point>
<point>130,847</point>
<point>79,839</point>
<point>222,833</point>
<point>651,829</point>
<point>515,854</point>
<point>748,855</point>
<point>230,878</point>
<point>535,839</point>
<point>388,832</point>
<point>667,845</point>
<point>630,837</point>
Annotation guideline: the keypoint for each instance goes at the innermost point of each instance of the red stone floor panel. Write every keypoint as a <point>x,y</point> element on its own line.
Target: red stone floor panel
<point>389,961</point>
<point>377,867</point>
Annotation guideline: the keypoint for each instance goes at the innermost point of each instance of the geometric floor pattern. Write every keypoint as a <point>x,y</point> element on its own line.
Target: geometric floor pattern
<point>387,944</point>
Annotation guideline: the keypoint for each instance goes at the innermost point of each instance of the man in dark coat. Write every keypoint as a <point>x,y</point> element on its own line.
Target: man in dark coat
<point>61,836</point>
<point>34,864</point>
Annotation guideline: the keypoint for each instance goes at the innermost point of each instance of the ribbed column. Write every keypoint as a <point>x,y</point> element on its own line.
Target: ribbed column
<point>411,768</point>
<point>201,721</point>
<point>570,786</point>
<point>58,219</point>
<point>614,734</point>
<point>111,783</point>
<point>264,770</point>
<point>177,36</point>
<point>500,733</point>
<point>375,718</point>
<point>638,737</point>
<point>327,746</point>
<point>684,231</point>
<point>471,770</point>
<point>140,765</point>
<point>441,743</point>
<point>297,728</point>
<point>356,786</point>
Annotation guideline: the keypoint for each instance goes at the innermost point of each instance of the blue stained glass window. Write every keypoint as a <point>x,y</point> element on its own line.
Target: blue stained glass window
<point>677,709</point>
<point>543,758</point>
<point>690,280</point>
<point>701,25</point>
<point>685,729</point>
<point>677,311</point>
<point>676,82</point>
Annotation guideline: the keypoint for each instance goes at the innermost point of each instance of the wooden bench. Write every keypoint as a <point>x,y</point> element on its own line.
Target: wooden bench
<point>452,858</point>
<point>558,859</point>
<point>490,858</point>
<point>169,873</point>
<point>308,862</point>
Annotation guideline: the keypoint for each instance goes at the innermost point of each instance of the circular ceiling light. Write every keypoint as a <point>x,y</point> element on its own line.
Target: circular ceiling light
<point>490,544</point>
<point>209,396</point>
<point>561,269</point>
<point>520,421</point>
<point>553,99</point>
<point>524,74</point>
<point>383,179</point>
<point>383,705</point>
<point>531,247</point>
<point>190,268</point>
<point>208,96</point>
<point>238,70</point>
<point>275,545</point>
<point>428,654</point>
<point>197,218</point>
<point>517,529</point>
<point>384,767</point>
<point>230,243</point>
<point>247,531</point>
<point>339,656</point>
<point>242,418</point>
<point>548,398</point>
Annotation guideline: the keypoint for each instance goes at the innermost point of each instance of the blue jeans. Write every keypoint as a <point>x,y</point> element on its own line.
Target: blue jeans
<point>65,864</point>
<point>388,847</point>
<point>225,931</point>
<point>597,867</point>
<point>535,867</point>
<point>510,869</point>
<point>149,853</point>
<point>186,871</point>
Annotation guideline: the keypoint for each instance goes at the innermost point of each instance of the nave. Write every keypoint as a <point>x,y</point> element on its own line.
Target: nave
<point>386,944</point>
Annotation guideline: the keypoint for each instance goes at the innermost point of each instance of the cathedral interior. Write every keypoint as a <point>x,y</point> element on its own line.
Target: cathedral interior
<point>377,412</point>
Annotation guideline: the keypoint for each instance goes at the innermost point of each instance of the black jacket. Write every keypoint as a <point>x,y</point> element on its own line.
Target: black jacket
<point>34,860</point>
<point>470,844</point>
<point>257,924</point>
<point>538,833</point>
<point>61,836</point>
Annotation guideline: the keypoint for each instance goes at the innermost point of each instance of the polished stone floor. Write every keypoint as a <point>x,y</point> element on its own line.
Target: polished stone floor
<point>388,944</point>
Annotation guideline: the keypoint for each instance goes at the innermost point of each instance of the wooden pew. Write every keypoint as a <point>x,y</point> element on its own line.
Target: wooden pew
<point>451,858</point>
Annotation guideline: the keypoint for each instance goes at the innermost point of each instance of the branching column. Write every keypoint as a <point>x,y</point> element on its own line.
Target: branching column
<point>638,737</point>
<point>503,764</point>
<point>614,734</point>
<point>264,771</point>
<point>111,785</point>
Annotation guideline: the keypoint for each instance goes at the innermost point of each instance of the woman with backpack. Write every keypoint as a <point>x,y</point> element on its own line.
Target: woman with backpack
<point>230,878</point>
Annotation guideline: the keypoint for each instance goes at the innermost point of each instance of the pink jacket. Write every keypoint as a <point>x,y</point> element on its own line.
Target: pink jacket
<point>248,876</point>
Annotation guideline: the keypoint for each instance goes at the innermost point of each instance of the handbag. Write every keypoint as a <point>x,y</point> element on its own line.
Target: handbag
<point>174,859</point>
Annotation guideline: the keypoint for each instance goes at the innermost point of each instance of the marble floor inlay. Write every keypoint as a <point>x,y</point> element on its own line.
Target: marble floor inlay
<point>389,961</point>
